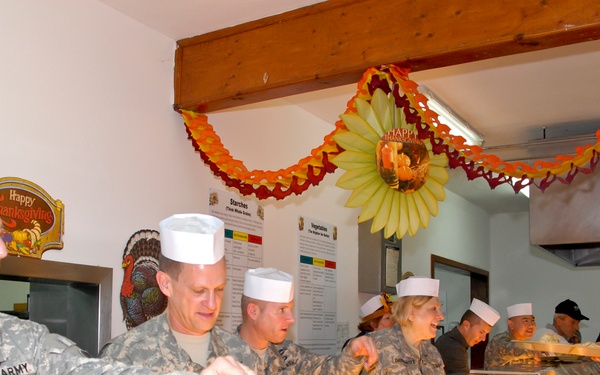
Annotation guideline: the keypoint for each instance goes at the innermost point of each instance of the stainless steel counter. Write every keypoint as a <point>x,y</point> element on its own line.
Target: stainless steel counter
<point>583,367</point>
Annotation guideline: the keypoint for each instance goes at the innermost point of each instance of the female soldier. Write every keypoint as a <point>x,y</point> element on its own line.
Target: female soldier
<point>374,315</point>
<point>406,348</point>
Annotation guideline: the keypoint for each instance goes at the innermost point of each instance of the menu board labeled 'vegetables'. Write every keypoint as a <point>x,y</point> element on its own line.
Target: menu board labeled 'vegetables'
<point>244,222</point>
<point>317,285</point>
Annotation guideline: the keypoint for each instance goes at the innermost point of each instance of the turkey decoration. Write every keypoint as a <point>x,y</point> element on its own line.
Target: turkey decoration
<point>141,298</point>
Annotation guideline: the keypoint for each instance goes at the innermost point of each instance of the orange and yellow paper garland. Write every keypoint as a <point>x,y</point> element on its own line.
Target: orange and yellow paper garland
<point>495,170</point>
<point>309,171</point>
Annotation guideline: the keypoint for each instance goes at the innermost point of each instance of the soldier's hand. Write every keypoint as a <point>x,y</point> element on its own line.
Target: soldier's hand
<point>364,346</point>
<point>227,366</point>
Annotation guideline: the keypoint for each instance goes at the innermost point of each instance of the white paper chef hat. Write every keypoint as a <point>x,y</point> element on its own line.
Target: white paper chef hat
<point>519,309</point>
<point>484,311</point>
<point>269,284</point>
<point>372,305</point>
<point>192,238</point>
<point>418,286</point>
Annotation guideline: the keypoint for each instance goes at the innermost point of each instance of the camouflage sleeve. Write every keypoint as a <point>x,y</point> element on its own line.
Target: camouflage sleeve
<point>302,361</point>
<point>501,351</point>
<point>28,347</point>
<point>115,352</point>
<point>492,354</point>
<point>225,343</point>
<point>66,358</point>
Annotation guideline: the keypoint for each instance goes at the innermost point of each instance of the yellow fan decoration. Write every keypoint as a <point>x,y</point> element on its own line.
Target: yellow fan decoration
<point>402,193</point>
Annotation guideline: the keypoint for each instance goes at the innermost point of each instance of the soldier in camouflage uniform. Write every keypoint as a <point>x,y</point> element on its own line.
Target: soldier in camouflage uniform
<point>27,347</point>
<point>406,348</point>
<point>260,344</point>
<point>154,345</point>
<point>192,275</point>
<point>501,351</point>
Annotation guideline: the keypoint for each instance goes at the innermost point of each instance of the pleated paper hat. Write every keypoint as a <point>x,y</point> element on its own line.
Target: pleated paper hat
<point>484,311</point>
<point>418,286</point>
<point>269,284</point>
<point>519,309</point>
<point>192,238</point>
<point>372,305</point>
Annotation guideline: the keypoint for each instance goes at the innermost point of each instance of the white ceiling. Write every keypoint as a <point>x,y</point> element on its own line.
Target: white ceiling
<point>509,100</point>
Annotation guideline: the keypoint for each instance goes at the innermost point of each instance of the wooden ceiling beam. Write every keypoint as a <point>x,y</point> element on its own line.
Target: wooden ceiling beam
<point>333,43</point>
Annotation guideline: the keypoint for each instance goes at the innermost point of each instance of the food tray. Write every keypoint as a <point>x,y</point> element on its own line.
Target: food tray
<point>581,349</point>
<point>569,358</point>
<point>549,347</point>
<point>544,346</point>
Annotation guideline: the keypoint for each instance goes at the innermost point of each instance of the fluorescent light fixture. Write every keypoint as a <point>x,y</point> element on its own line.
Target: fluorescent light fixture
<point>458,125</point>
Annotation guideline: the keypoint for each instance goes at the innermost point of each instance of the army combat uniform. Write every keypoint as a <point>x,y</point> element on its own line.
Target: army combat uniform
<point>27,347</point>
<point>290,358</point>
<point>397,357</point>
<point>153,345</point>
<point>501,351</point>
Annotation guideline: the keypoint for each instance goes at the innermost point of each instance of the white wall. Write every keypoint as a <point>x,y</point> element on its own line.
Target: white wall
<point>523,273</point>
<point>86,114</point>
<point>460,232</point>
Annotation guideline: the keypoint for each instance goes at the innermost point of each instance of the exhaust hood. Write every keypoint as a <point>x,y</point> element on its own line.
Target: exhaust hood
<point>565,219</point>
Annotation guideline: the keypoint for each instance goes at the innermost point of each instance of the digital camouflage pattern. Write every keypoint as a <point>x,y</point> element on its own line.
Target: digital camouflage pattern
<point>501,351</point>
<point>290,358</point>
<point>27,347</point>
<point>396,356</point>
<point>152,345</point>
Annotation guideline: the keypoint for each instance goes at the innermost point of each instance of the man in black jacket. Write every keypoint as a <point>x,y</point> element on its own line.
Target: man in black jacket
<point>474,325</point>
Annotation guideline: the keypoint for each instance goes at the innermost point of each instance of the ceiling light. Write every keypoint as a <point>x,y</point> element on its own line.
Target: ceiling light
<point>446,115</point>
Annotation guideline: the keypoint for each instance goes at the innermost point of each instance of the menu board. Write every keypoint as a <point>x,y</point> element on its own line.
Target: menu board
<point>244,222</point>
<point>317,297</point>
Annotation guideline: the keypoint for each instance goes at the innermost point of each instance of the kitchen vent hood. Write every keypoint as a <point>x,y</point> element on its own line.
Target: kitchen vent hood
<point>565,219</point>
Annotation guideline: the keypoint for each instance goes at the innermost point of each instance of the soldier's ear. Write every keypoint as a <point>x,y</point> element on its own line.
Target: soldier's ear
<point>510,324</point>
<point>252,309</point>
<point>164,283</point>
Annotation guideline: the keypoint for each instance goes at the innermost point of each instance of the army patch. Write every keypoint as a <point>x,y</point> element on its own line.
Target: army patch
<point>19,369</point>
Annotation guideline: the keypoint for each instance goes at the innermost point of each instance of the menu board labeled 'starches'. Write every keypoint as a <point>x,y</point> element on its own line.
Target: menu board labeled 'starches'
<point>244,222</point>
<point>317,286</point>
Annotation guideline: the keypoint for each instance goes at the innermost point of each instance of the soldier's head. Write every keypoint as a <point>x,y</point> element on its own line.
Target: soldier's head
<point>376,314</point>
<point>192,271</point>
<point>521,322</point>
<point>477,322</point>
<point>567,316</point>
<point>418,307</point>
<point>3,251</point>
<point>267,304</point>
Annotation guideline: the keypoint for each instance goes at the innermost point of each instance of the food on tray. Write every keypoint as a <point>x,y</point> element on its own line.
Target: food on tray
<point>588,344</point>
<point>550,337</point>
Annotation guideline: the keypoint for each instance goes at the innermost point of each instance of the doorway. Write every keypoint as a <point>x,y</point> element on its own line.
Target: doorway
<point>460,284</point>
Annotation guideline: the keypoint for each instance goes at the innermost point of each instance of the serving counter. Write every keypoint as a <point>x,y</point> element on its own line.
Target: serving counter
<point>580,367</point>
